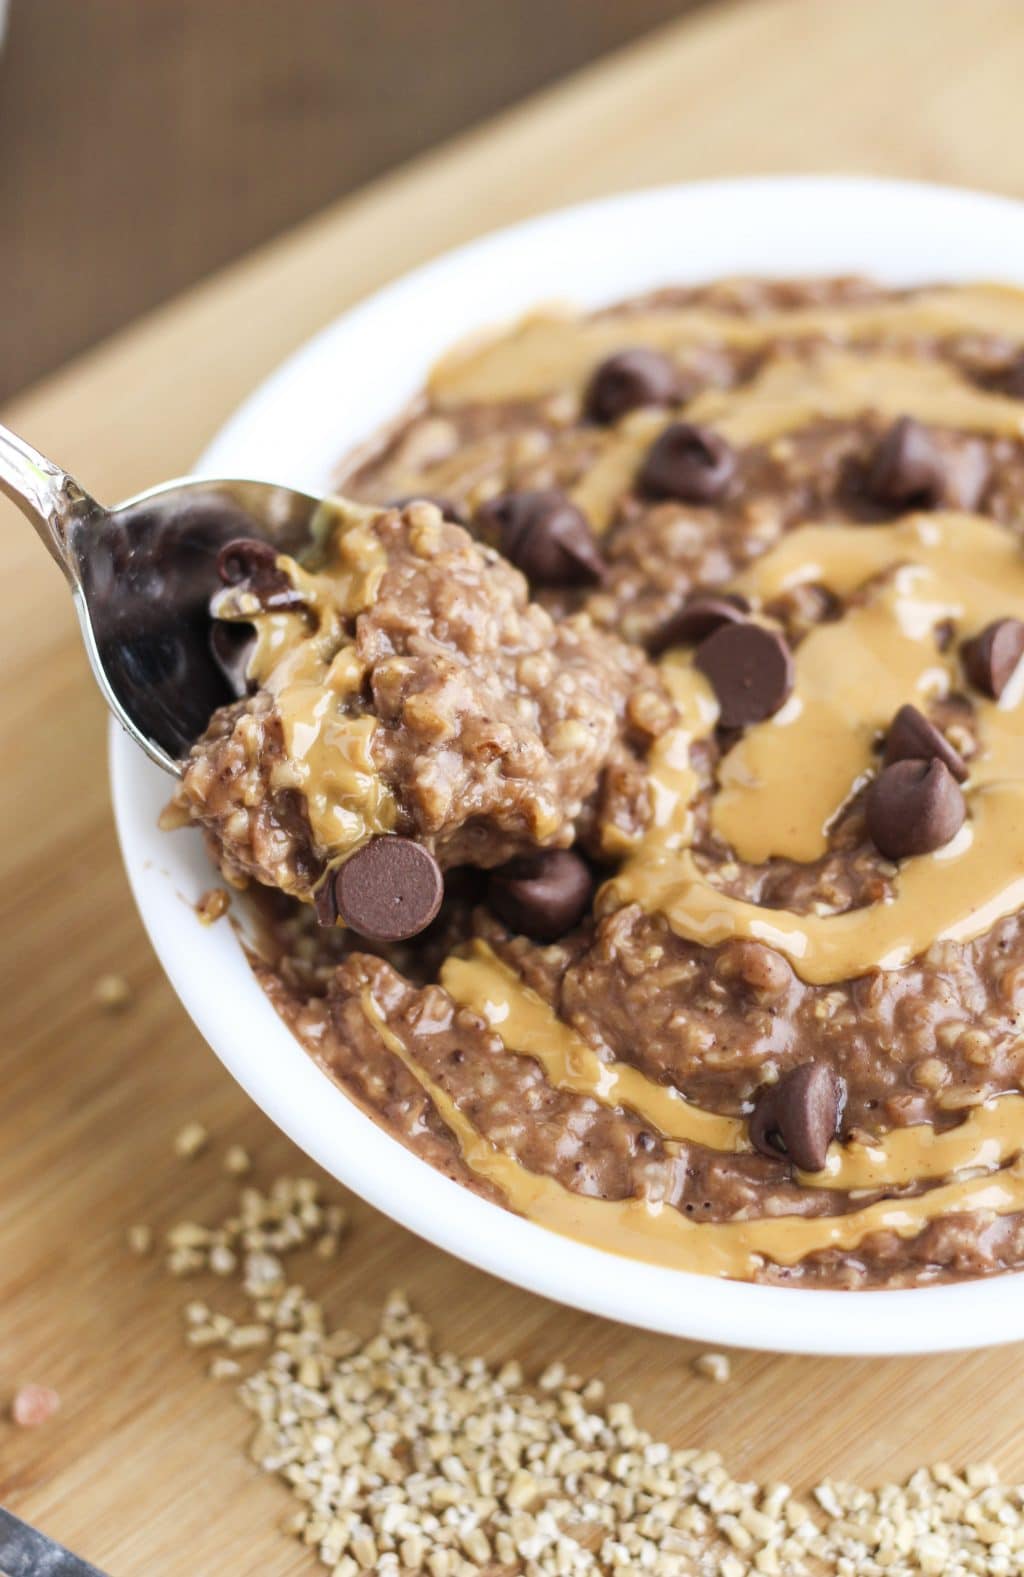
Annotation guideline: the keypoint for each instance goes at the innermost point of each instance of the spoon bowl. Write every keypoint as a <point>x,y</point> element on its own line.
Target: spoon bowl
<point>141,577</point>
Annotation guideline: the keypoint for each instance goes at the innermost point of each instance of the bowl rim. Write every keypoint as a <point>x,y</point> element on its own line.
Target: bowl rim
<point>207,967</point>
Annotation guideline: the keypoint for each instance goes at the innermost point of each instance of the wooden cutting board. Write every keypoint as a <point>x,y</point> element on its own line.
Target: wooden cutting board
<point>143,1469</point>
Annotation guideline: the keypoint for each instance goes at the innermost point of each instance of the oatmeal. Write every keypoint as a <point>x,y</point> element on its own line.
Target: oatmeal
<point>724,786</point>
<point>407,690</point>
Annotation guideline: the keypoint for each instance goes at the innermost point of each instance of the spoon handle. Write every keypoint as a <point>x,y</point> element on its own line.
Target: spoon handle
<point>50,498</point>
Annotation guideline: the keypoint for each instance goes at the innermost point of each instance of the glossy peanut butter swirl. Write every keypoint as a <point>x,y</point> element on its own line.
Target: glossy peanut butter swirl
<point>553,351</point>
<point>786,780</point>
<point>782,786</point>
<point>307,661</point>
<point>527,1026</point>
<point>659,1234</point>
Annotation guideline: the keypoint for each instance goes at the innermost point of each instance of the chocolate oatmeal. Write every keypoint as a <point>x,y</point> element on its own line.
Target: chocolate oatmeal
<point>639,762</point>
<point>407,688</point>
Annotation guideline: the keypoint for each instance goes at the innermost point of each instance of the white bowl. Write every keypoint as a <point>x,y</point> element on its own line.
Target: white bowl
<point>335,391</point>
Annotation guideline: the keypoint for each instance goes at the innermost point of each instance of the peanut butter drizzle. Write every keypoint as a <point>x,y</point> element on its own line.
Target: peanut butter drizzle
<point>528,1026</point>
<point>786,785</point>
<point>548,352</point>
<point>991,1135</point>
<point>657,1233</point>
<point>852,675</point>
<point>828,948</point>
<point>790,394</point>
<point>471,464</point>
<point>308,663</point>
<point>610,477</point>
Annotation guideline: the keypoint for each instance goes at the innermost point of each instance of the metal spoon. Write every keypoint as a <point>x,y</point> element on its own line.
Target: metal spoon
<point>141,576</point>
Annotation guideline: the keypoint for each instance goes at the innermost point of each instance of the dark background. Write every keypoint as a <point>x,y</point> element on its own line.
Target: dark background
<point>145,142</point>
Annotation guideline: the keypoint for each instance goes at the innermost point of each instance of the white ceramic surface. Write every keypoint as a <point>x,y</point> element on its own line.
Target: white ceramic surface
<point>293,429</point>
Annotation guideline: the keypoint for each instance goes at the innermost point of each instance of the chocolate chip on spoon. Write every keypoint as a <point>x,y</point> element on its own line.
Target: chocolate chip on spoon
<point>692,464</point>
<point>628,380</point>
<point>250,564</point>
<point>243,558</point>
<point>698,618</point>
<point>911,470</point>
<point>750,669</point>
<point>991,657</point>
<point>800,1115</point>
<point>542,895</point>
<point>912,737</point>
<point>388,890</point>
<point>545,535</point>
<point>913,807</point>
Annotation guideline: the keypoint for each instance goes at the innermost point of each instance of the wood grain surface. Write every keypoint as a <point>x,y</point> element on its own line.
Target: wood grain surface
<point>209,125</point>
<point>142,1470</point>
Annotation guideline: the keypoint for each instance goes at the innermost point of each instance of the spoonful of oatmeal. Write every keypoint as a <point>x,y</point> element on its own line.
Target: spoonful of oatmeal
<point>353,699</point>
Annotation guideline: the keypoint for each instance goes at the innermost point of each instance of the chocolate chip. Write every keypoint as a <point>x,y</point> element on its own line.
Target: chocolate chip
<point>542,895</point>
<point>800,1115</point>
<point>389,889</point>
<point>911,470</point>
<point>906,468</point>
<point>699,616</point>
<point>448,507</point>
<point>913,807</point>
<point>990,658</point>
<point>244,557</point>
<point>545,535</point>
<point>750,669</point>
<point>692,464</point>
<point>250,564</point>
<point>232,645</point>
<point>628,380</point>
<point>912,738</point>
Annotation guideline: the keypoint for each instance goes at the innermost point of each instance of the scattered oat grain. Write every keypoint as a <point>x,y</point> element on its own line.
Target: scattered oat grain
<point>236,1161</point>
<point>185,1262</point>
<point>191,1140</point>
<point>112,991</point>
<point>224,1369</point>
<point>140,1238</point>
<point>223,1260</point>
<point>712,1366</point>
